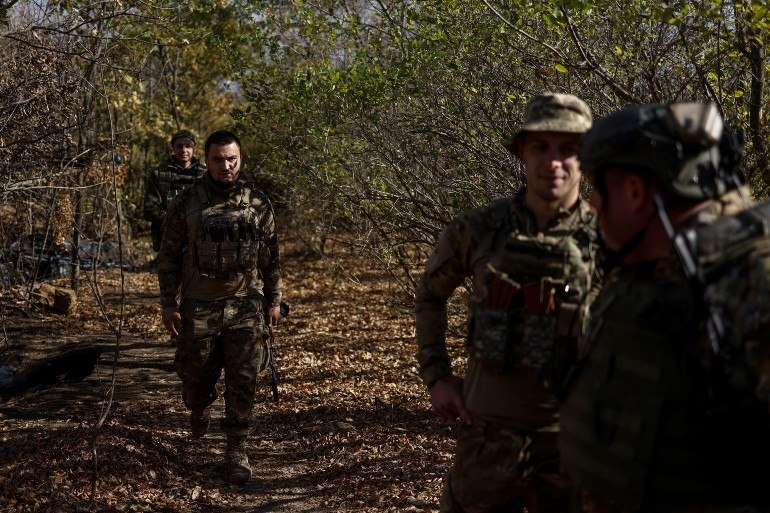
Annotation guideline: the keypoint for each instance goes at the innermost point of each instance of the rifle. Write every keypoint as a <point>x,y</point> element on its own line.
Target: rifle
<point>285,308</point>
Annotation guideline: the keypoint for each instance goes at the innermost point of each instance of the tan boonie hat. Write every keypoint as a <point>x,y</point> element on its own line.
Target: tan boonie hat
<point>552,112</point>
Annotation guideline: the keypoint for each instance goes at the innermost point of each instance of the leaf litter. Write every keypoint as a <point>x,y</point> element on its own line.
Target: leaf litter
<point>353,430</point>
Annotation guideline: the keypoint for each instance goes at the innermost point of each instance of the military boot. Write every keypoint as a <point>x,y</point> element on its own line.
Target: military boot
<point>199,422</point>
<point>238,469</point>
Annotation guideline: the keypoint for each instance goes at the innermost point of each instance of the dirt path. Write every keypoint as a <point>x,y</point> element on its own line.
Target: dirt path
<point>352,431</point>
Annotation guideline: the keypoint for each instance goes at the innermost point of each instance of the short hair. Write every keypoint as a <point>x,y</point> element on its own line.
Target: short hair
<point>223,137</point>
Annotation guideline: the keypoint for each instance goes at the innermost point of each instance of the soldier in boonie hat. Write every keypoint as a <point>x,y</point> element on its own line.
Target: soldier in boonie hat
<point>531,259</point>
<point>552,112</point>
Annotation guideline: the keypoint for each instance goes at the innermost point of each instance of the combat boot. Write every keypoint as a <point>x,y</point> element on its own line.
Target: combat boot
<point>199,422</point>
<point>238,469</point>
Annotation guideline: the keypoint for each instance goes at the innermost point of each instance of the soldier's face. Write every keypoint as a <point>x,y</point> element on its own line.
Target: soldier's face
<point>624,207</point>
<point>183,150</point>
<point>552,166</point>
<point>224,162</point>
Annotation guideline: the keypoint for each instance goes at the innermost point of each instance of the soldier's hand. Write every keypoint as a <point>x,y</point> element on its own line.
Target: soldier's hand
<point>446,397</point>
<point>273,315</point>
<point>172,320</point>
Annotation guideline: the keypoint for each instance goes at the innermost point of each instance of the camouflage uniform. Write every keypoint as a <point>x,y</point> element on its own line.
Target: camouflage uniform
<point>220,253</point>
<point>530,293</point>
<point>511,398</point>
<point>646,435</point>
<point>165,182</point>
<point>669,411</point>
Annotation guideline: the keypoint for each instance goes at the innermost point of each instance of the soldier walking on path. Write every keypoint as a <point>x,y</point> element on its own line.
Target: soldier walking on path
<point>170,178</point>
<point>669,409</point>
<point>531,261</point>
<point>229,280</point>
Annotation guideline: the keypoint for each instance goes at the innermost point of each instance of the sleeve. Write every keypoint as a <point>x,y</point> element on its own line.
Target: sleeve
<point>446,269</point>
<point>171,254</point>
<point>271,273</point>
<point>153,202</point>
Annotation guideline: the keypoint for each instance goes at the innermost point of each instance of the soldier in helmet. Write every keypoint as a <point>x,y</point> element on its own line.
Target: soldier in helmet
<point>668,411</point>
<point>230,286</point>
<point>172,176</point>
<point>530,258</point>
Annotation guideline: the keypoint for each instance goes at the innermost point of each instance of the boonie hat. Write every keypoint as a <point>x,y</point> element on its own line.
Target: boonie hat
<point>552,112</point>
<point>182,134</point>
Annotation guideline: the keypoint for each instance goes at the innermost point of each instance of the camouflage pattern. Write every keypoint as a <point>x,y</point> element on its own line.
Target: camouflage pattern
<point>223,319</point>
<point>182,134</point>
<point>683,145</point>
<point>179,258</point>
<point>229,242</point>
<point>227,334</point>
<point>466,248</point>
<point>165,182</point>
<point>552,112</point>
<point>489,459</point>
<point>656,420</point>
<point>530,279</point>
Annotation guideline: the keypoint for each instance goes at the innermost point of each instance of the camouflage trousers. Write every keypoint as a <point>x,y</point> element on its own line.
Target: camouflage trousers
<point>500,471</point>
<point>229,335</point>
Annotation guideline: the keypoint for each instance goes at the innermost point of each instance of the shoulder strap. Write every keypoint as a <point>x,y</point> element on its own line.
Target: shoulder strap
<point>203,196</point>
<point>256,194</point>
<point>502,223</point>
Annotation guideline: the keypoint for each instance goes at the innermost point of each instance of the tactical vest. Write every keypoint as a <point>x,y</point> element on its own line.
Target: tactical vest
<point>228,242</point>
<point>653,418</point>
<point>172,180</point>
<point>532,311</point>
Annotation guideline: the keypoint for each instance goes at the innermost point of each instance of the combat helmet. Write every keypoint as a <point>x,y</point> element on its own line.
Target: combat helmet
<point>684,145</point>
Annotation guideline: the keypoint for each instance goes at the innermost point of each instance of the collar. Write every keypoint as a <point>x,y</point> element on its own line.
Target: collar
<point>193,164</point>
<point>579,213</point>
<point>219,189</point>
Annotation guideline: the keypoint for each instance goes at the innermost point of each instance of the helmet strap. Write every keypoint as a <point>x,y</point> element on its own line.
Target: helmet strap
<point>615,258</point>
<point>633,242</point>
<point>688,262</point>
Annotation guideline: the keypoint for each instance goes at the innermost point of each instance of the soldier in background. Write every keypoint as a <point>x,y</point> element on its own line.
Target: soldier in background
<point>530,258</point>
<point>229,280</point>
<point>170,178</point>
<point>669,410</point>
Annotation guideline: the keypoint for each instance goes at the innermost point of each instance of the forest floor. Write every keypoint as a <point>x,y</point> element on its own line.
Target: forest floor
<point>353,430</point>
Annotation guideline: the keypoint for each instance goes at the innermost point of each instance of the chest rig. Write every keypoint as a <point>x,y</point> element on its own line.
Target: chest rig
<point>172,180</point>
<point>228,242</point>
<point>531,312</point>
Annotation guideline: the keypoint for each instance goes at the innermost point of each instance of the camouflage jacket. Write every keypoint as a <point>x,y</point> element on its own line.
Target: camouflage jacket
<point>185,248</point>
<point>161,182</point>
<point>662,413</point>
<point>463,251</point>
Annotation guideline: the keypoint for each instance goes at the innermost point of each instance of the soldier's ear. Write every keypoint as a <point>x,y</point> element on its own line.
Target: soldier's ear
<point>627,188</point>
<point>638,192</point>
